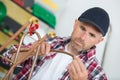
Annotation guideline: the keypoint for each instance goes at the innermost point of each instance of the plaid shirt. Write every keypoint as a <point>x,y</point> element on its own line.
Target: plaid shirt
<point>95,71</point>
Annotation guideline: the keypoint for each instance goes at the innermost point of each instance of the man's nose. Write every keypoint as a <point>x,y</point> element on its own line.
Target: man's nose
<point>84,35</point>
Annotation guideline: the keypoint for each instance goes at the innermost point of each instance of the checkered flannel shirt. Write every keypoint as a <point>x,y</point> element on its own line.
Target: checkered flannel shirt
<point>95,71</point>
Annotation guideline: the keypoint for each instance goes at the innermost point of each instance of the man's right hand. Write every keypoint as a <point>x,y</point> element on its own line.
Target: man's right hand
<point>44,48</point>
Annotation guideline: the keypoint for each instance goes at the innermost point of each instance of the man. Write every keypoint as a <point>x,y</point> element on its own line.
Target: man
<point>89,30</point>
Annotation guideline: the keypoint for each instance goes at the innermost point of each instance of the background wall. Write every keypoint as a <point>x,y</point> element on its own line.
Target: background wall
<point>65,25</point>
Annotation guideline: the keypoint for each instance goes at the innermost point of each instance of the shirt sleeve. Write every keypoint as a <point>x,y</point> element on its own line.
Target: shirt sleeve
<point>8,54</point>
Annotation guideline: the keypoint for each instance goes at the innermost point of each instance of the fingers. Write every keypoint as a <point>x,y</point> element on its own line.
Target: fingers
<point>77,70</point>
<point>80,63</point>
<point>44,48</point>
<point>74,70</point>
<point>71,71</point>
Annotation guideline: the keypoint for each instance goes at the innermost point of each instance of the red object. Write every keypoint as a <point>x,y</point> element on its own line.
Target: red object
<point>19,2</point>
<point>33,27</point>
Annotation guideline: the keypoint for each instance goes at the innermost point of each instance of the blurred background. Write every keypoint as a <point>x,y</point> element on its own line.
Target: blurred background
<point>59,16</point>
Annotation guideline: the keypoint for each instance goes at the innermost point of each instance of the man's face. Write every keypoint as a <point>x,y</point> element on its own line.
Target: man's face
<point>84,36</point>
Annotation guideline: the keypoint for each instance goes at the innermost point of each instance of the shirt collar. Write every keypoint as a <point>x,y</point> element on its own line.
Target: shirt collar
<point>89,53</point>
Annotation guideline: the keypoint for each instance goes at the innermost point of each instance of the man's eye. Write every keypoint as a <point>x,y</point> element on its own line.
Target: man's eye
<point>82,28</point>
<point>92,35</point>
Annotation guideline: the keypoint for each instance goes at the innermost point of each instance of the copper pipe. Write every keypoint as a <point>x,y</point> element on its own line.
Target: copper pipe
<point>30,52</point>
<point>35,59</point>
<point>23,58</point>
<point>52,50</point>
<point>10,72</point>
<point>34,62</point>
<point>63,52</point>
<point>26,50</point>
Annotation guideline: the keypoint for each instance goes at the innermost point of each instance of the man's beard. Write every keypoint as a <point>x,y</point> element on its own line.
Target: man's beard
<point>77,45</point>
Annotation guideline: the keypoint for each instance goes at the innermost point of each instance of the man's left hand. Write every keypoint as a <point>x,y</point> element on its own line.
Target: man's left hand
<point>77,70</point>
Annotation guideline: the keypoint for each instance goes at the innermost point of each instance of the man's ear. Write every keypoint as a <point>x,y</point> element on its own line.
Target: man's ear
<point>100,40</point>
<point>75,22</point>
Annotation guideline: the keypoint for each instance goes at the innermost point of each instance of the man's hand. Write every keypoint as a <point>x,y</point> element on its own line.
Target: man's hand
<point>44,48</point>
<point>77,70</point>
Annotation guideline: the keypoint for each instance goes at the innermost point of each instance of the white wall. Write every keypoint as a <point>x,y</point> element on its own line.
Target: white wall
<point>74,8</point>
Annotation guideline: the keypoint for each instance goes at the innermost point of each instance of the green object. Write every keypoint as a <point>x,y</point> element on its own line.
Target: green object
<point>44,15</point>
<point>2,12</point>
